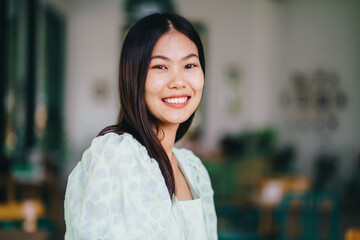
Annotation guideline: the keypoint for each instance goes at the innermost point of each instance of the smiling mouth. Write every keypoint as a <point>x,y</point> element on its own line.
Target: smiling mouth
<point>180,100</point>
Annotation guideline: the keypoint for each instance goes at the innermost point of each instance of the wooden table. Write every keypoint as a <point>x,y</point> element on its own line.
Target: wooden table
<point>17,235</point>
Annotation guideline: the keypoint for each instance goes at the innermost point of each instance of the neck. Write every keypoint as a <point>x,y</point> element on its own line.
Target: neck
<point>167,139</point>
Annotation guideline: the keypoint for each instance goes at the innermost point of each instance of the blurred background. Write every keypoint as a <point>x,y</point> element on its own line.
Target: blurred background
<point>277,129</point>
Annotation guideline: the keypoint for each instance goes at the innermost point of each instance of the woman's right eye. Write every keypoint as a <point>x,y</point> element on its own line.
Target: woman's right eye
<point>159,67</point>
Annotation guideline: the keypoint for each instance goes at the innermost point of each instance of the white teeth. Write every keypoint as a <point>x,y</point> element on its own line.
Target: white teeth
<point>175,100</point>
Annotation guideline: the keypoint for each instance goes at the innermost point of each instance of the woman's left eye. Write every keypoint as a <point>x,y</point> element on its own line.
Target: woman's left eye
<point>188,66</point>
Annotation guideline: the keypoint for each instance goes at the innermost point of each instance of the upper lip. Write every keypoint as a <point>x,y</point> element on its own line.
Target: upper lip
<point>177,96</point>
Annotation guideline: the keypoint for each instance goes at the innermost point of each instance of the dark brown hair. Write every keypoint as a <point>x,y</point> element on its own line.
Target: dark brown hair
<point>134,117</point>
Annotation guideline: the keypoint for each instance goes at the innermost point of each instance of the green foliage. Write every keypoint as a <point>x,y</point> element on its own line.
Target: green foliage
<point>259,143</point>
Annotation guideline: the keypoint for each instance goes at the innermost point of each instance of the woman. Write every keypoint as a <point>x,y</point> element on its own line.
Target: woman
<point>132,183</point>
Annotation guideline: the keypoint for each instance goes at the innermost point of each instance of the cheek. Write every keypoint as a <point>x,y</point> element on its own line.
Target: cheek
<point>198,85</point>
<point>150,87</point>
<point>154,84</point>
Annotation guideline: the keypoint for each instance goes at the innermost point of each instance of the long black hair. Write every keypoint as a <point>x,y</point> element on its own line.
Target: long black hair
<point>134,118</point>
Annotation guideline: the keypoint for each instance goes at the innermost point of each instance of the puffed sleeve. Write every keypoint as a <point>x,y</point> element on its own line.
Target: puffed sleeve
<point>105,196</point>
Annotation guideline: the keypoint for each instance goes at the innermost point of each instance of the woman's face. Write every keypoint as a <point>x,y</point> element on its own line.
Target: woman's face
<point>175,79</point>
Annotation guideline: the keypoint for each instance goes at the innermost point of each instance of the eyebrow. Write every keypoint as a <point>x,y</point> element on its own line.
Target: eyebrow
<point>168,59</point>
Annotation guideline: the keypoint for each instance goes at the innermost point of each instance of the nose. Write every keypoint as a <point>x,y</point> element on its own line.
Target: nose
<point>177,80</point>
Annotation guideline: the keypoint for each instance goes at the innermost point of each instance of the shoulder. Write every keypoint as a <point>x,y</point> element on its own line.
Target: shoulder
<point>118,163</point>
<point>199,177</point>
<point>188,158</point>
<point>114,158</point>
<point>196,168</point>
<point>114,150</point>
<point>111,145</point>
<point>114,185</point>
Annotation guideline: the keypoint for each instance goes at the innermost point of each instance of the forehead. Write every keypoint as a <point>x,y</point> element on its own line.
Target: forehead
<point>174,42</point>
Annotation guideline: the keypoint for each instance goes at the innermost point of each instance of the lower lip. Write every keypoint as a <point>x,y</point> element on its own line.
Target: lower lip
<point>177,105</point>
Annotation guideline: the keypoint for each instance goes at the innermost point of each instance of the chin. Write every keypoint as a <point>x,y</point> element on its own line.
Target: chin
<point>179,121</point>
<point>176,121</point>
<point>182,119</point>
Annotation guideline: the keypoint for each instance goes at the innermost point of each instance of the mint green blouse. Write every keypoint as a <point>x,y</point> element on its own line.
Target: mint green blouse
<point>118,192</point>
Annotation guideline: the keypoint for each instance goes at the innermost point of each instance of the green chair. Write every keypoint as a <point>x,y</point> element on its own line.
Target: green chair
<point>310,216</point>
<point>242,223</point>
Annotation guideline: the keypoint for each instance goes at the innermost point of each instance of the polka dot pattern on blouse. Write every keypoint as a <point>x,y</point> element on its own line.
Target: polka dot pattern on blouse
<point>117,191</point>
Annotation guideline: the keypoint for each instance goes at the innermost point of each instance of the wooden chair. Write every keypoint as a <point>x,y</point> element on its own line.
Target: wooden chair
<point>352,234</point>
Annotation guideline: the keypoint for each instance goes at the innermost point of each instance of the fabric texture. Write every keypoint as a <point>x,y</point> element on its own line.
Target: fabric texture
<point>118,192</point>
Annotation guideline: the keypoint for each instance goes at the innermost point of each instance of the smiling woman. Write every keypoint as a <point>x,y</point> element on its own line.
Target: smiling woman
<point>174,81</point>
<point>132,183</point>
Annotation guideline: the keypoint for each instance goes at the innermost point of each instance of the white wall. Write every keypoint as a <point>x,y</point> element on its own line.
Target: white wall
<point>266,40</point>
<point>321,34</point>
<point>246,34</point>
<point>93,46</point>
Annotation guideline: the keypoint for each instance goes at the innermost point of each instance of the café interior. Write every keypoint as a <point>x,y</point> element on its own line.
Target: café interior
<point>277,128</point>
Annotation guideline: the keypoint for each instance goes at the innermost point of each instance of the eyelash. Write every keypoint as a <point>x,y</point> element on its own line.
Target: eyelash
<point>161,67</point>
<point>188,66</point>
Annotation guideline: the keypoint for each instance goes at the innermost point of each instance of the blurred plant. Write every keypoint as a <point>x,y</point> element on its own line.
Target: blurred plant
<point>261,143</point>
<point>325,168</point>
<point>136,9</point>
<point>283,158</point>
<point>352,187</point>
